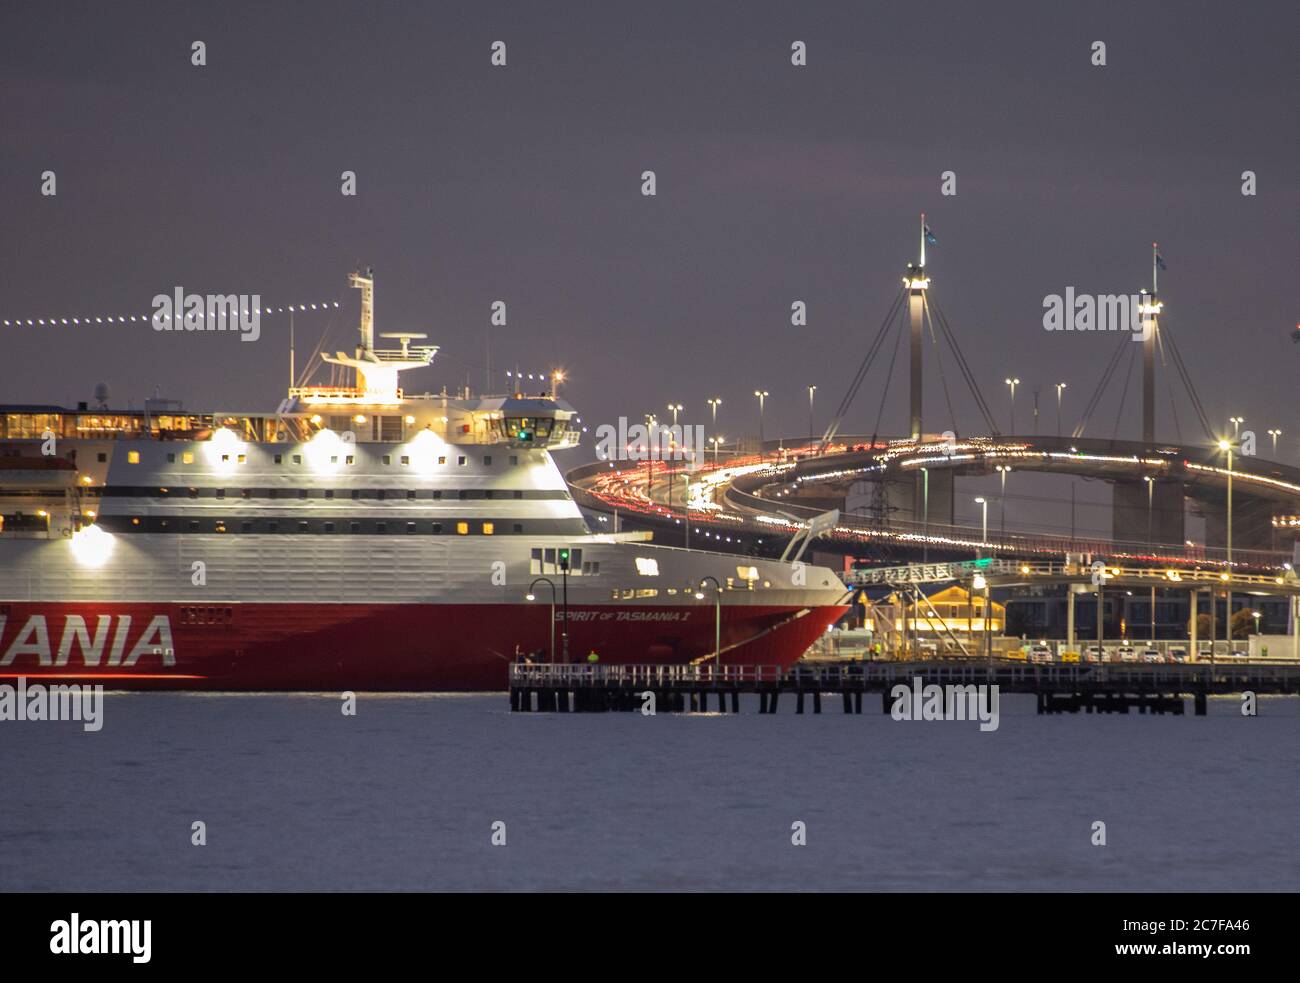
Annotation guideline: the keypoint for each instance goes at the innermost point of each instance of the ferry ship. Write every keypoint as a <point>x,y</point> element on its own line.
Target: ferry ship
<point>357,538</point>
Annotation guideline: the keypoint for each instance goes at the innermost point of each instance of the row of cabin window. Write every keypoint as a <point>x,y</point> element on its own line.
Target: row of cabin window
<point>631,593</point>
<point>187,457</point>
<point>303,525</point>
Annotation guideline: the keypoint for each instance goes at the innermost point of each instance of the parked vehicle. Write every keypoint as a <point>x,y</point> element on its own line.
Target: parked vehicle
<point>1152,655</point>
<point>1094,653</point>
<point>1126,653</point>
<point>1177,653</point>
<point>1040,653</point>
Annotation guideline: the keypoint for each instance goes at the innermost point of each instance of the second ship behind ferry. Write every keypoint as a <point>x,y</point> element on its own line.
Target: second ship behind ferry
<point>356,538</point>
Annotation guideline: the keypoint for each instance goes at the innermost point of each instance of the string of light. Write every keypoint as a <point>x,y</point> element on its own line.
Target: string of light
<point>146,318</point>
<point>540,376</point>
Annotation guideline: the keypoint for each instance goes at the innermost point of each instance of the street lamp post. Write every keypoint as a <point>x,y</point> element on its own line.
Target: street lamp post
<point>652,441</point>
<point>717,620</point>
<point>714,403</point>
<point>980,582</point>
<point>532,597</point>
<point>1227,614</point>
<point>1059,387</point>
<point>813,389</point>
<point>1275,434</point>
<point>675,408</point>
<point>925,545</point>
<point>1151,487</point>
<point>563,554</point>
<point>984,522</point>
<point>686,502</point>
<point>762,395</point>
<point>1003,470</point>
<point>1013,383</point>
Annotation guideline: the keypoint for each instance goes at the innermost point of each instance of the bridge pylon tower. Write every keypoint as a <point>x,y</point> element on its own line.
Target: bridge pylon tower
<point>917,282</point>
<point>1149,309</point>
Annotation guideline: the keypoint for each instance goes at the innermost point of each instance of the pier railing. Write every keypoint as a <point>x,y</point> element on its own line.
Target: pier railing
<point>1009,674</point>
<point>578,674</point>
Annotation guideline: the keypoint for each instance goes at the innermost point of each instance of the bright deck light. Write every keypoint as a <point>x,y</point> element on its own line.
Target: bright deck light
<point>91,546</point>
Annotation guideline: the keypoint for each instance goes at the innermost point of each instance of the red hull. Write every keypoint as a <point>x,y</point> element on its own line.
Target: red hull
<point>369,646</point>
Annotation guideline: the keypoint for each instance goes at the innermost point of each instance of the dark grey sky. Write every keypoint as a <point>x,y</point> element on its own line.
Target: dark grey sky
<point>775,183</point>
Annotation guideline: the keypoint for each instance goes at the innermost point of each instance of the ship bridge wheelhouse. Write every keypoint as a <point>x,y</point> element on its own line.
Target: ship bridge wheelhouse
<point>531,421</point>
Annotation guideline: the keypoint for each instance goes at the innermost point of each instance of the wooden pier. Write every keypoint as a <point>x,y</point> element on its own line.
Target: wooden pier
<point>1107,688</point>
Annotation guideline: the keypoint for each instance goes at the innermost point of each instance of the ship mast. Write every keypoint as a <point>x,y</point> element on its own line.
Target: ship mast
<point>377,369</point>
<point>365,282</point>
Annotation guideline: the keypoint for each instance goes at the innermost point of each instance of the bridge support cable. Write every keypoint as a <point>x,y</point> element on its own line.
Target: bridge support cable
<point>938,361</point>
<point>1169,385</point>
<point>1100,391</point>
<point>1123,392</point>
<point>833,428</point>
<point>964,366</point>
<point>1162,335</point>
<point>1192,394</point>
<point>889,377</point>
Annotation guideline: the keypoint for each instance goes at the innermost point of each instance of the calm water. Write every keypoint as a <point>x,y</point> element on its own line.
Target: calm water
<point>298,797</point>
